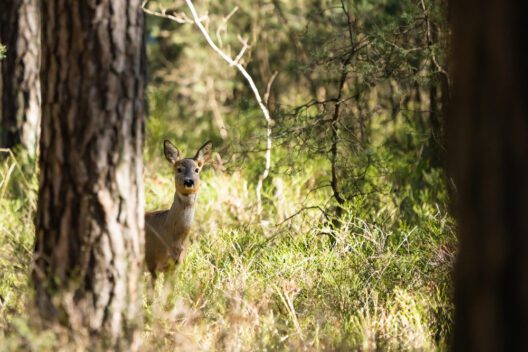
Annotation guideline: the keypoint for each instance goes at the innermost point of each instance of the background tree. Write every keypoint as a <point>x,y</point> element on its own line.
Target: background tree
<point>89,228</point>
<point>354,79</point>
<point>488,151</point>
<point>19,74</point>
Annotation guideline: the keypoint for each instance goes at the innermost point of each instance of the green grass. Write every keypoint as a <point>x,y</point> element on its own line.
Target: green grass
<point>379,281</point>
<point>288,287</point>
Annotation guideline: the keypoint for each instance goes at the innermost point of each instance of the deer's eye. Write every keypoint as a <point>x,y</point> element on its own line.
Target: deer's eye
<point>196,170</point>
<point>179,170</point>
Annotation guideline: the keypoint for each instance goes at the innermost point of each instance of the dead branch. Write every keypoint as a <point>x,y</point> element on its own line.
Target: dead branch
<point>222,28</point>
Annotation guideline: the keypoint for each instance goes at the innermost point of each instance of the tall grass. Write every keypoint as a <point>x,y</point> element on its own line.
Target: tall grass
<point>303,285</point>
<point>293,281</point>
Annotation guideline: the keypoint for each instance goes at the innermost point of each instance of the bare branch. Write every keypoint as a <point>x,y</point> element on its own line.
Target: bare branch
<point>223,26</point>
<point>245,46</point>
<point>179,17</point>
<point>268,87</point>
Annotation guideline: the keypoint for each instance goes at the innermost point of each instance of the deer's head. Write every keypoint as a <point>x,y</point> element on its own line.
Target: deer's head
<point>187,170</point>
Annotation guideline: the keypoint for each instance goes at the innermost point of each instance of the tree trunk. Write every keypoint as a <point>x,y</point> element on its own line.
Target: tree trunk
<point>438,96</point>
<point>89,227</point>
<point>19,74</point>
<point>488,150</point>
<point>435,134</point>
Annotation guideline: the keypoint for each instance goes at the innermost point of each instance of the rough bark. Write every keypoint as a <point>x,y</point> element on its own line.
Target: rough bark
<point>89,227</point>
<point>19,74</point>
<point>488,151</point>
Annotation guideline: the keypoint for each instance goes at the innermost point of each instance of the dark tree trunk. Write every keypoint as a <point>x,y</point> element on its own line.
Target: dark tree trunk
<point>89,227</point>
<point>417,107</point>
<point>435,136</point>
<point>19,74</point>
<point>488,148</point>
<point>438,96</point>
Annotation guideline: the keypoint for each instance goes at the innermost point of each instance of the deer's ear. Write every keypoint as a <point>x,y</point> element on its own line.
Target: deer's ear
<point>171,152</point>
<point>203,154</point>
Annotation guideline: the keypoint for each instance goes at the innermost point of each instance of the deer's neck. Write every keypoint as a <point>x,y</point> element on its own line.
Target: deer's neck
<point>181,215</point>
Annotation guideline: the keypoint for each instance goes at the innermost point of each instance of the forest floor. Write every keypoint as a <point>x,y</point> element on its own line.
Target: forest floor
<point>377,278</point>
<point>286,281</point>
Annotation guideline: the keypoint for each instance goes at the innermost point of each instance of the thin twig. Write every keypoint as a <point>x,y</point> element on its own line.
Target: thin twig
<point>429,36</point>
<point>223,27</point>
<point>303,209</point>
<point>179,18</point>
<point>268,87</point>
<point>242,51</point>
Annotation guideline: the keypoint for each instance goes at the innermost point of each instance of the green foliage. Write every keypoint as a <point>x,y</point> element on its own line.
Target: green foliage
<point>303,275</point>
<point>2,51</point>
<point>18,187</point>
<point>350,73</point>
<point>381,280</point>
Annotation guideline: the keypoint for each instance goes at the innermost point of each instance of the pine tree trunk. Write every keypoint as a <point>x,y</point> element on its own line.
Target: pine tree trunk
<point>488,151</point>
<point>19,74</point>
<point>89,227</point>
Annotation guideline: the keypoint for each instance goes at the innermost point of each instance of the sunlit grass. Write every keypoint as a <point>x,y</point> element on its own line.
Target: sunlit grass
<point>379,281</point>
<point>376,282</point>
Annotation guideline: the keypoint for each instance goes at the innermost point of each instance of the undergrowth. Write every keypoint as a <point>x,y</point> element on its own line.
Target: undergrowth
<point>297,279</point>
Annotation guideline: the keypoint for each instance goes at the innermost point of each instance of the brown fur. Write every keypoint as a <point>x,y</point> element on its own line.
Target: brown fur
<point>166,231</point>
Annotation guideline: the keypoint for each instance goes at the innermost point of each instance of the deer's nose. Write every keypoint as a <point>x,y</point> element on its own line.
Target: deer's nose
<point>188,182</point>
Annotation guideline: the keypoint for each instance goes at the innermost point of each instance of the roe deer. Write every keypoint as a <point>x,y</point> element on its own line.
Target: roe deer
<point>166,231</point>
